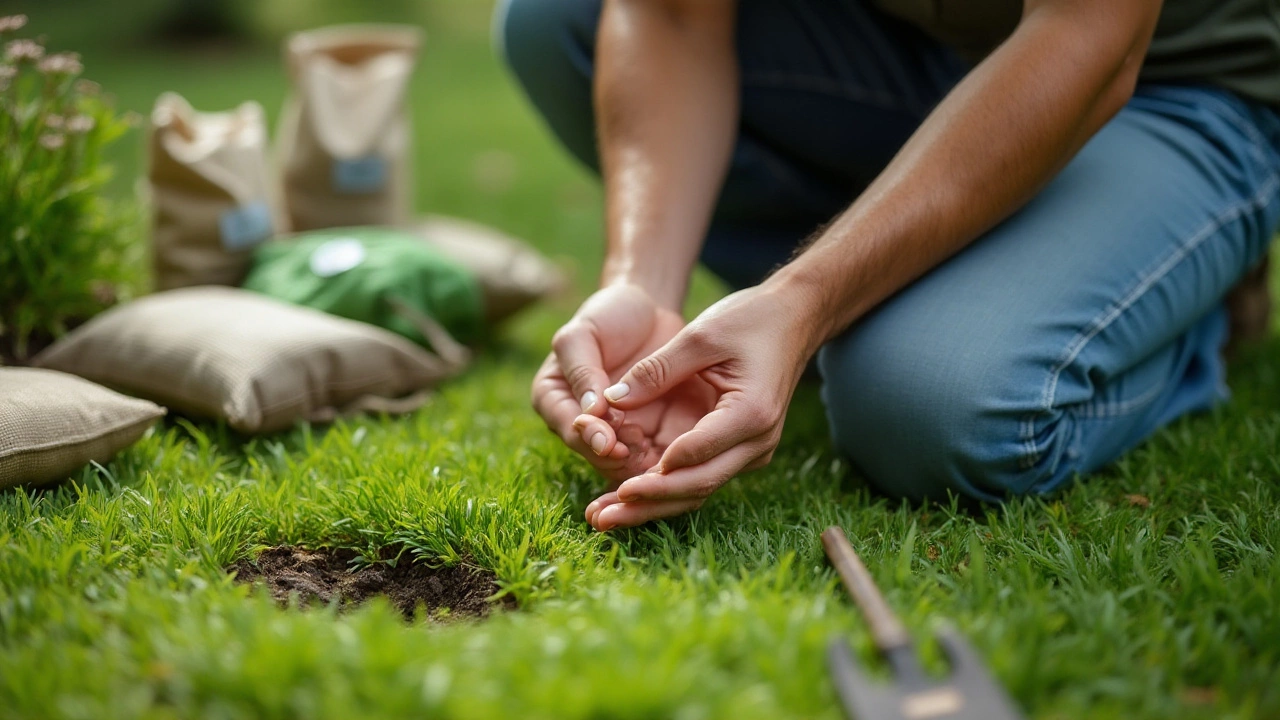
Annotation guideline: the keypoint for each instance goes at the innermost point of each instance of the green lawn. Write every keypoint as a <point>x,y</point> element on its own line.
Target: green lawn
<point>114,601</point>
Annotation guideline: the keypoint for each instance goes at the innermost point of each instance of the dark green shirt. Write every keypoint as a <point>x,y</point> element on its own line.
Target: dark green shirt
<point>1233,44</point>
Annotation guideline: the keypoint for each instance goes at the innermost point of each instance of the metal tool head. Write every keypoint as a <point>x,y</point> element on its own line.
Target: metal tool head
<point>968,692</point>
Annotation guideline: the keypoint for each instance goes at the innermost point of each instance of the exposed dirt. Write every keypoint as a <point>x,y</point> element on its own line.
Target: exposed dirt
<point>319,577</point>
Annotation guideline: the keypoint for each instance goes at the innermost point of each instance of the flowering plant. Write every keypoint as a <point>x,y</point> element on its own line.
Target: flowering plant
<point>63,246</point>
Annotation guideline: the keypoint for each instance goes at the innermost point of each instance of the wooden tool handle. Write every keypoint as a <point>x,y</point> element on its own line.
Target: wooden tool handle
<point>887,631</point>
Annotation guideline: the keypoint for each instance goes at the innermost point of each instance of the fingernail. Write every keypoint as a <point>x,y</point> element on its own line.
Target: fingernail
<point>600,523</point>
<point>617,392</point>
<point>588,400</point>
<point>598,442</point>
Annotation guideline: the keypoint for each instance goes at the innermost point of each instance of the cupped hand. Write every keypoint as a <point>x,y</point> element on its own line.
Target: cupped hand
<point>749,351</point>
<point>613,329</point>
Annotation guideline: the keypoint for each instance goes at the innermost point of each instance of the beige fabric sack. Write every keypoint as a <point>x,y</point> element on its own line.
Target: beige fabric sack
<point>210,192</point>
<point>511,273</point>
<point>258,363</point>
<point>344,132</point>
<point>52,424</point>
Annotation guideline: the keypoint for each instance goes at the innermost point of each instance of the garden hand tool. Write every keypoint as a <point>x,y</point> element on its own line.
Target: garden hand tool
<point>967,693</point>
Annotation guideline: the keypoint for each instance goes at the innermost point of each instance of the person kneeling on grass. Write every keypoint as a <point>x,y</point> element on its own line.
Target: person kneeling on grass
<point>1049,202</point>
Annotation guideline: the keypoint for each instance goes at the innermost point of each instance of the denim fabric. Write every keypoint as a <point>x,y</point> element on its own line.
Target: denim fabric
<point>1046,348</point>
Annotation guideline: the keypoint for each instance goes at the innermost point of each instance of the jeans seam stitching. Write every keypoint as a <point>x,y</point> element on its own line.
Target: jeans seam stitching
<point>1122,407</point>
<point>1113,312</point>
<point>786,81</point>
<point>1028,435</point>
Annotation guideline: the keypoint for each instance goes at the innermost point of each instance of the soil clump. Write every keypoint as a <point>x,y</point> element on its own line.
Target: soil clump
<point>326,575</point>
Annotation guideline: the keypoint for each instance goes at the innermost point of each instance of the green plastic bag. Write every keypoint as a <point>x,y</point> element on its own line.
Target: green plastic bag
<point>380,276</point>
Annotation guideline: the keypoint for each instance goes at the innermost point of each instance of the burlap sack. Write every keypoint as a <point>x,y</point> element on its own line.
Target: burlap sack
<point>52,424</point>
<point>512,274</point>
<point>210,192</point>
<point>344,133</point>
<point>258,363</point>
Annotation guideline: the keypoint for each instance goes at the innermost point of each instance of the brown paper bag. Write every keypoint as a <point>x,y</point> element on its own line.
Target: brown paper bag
<point>344,133</point>
<point>512,274</point>
<point>210,192</point>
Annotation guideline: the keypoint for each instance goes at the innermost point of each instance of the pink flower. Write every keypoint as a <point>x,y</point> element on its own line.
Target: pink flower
<point>12,22</point>
<point>53,122</point>
<point>52,141</point>
<point>88,87</point>
<point>62,64</point>
<point>20,50</point>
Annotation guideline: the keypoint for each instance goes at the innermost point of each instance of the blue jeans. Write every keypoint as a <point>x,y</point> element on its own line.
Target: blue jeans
<point>1048,347</point>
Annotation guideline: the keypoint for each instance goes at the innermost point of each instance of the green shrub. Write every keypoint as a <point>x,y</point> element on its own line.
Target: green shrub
<point>65,253</point>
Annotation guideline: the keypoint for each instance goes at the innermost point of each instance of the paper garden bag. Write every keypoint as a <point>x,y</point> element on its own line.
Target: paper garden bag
<point>344,135</point>
<point>210,192</point>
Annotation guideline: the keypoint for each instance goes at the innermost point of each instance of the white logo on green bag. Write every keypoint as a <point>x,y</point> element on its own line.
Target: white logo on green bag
<point>337,256</point>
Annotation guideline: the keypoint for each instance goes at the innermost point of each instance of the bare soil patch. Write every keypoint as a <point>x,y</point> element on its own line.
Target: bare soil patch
<point>326,575</point>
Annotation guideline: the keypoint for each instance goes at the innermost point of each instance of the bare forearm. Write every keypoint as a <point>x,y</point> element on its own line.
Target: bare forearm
<point>1003,133</point>
<point>666,98</point>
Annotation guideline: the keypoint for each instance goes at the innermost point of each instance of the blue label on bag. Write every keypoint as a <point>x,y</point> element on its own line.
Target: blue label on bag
<point>360,175</point>
<point>245,226</point>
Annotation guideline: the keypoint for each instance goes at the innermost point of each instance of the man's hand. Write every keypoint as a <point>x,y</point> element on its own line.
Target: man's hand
<point>749,350</point>
<point>614,328</point>
<point>666,98</point>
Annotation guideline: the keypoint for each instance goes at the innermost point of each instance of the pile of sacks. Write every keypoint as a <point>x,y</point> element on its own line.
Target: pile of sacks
<point>299,296</point>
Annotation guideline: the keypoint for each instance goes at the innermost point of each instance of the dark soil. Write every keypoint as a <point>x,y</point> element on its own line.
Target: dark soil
<point>323,576</point>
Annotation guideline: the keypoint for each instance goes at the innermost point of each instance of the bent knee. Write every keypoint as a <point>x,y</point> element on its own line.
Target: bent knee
<point>530,35</point>
<point>550,46</point>
<point>925,430</point>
